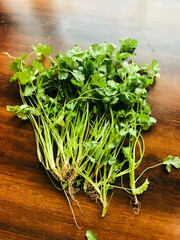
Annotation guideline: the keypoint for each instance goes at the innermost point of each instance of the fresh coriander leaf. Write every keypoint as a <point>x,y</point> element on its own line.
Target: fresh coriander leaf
<point>75,52</point>
<point>60,120</point>
<point>122,73</point>
<point>98,154</point>
<point>142,188</point>
<point>14,77</point>
<point>90,235</point>
<point>124,55</point>
<point>139,91</point>
<point>29,90</point>
<point>65,185</point>
<point>15,65</point>
<point>40,93</point>
<point>92,144</point>
<point>112,160</point>
<point>145,68</point>
<point>43,49</point>
<point>91,159</point>
<point>128,44</point>
<point>106,99</point>
<point>113,84</point>
<point>157,75</point>
<point>62,75</point>
<point>36,64</point>
<point>126,151</point>
<point>89,67</point>
<point>24,77</point>
<point>126,66</point>
<point>155,65</point>
<point>110,146</point>
<point>170,161</point>
<point>110,91</point>
<point>24,56</point>
<point>149,123</point>
<point>110,48</point>
<point>98,80</point>
<point>77,83</point>
<point>132,132</point>
<point>23,111</point>
<point>71,62</point>
<point>13,109</point>
<point>78,75</point>
<point>144,117</point>
<point>70,106</point>
<point>123,132</point>
<point>100,60</point>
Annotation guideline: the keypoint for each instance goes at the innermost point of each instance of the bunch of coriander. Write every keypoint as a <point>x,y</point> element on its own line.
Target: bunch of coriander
<point>88,109</point>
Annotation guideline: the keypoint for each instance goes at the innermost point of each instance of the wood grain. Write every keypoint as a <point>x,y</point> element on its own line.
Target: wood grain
<point>30,207</point>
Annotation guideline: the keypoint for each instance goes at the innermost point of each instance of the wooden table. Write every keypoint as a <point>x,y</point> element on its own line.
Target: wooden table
<point>30,207</point>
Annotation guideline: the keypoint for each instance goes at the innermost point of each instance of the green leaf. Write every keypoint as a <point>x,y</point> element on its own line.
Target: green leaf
<point>110,146</point>
<point>15,65</point>
<point>98,154</point>
<point>110,91</point>
<point>72,63</point>
<point>70,105</point>
<point>23,111</point>
<point>111,48</point>
<point>112,160</point>
<point>29,90</point>
<point>126,151</point>
<point>60,120</point>
<point>98,80</point>
<point>78,75</point>
<point>106,99</point>
<point>126,66</point>
<point>36,64</point>
<point>128,44</point>
<point>157,75</point>
<point>77,84</point>
<point>114,85</point>
<point>91,235</point>
<point>139,91</point>
<point>89,67</point>
<point>132,132</point>
<point>91,159</point>
<point>100,60</point>
<point>121,72</point>
<point>144,117</point>
<point>170,161</point>
<point>92,144</point>
<point>75,52</point>
<point>65,185</point>
<point>123,132</point>
<point>155,65</point>
<point>62,75</point>
<point>43,49</point>
<point>24,77</point>
<point>149,123</point>
<point>40,93</point>
<point>13,109</point>
<point>142,188</point>
<point>14,77</point>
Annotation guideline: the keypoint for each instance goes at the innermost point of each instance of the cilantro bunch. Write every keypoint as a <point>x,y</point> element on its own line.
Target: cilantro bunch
<point>88,109</point>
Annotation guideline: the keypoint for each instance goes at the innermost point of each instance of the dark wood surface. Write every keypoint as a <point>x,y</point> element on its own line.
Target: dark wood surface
<point>30,207</point>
